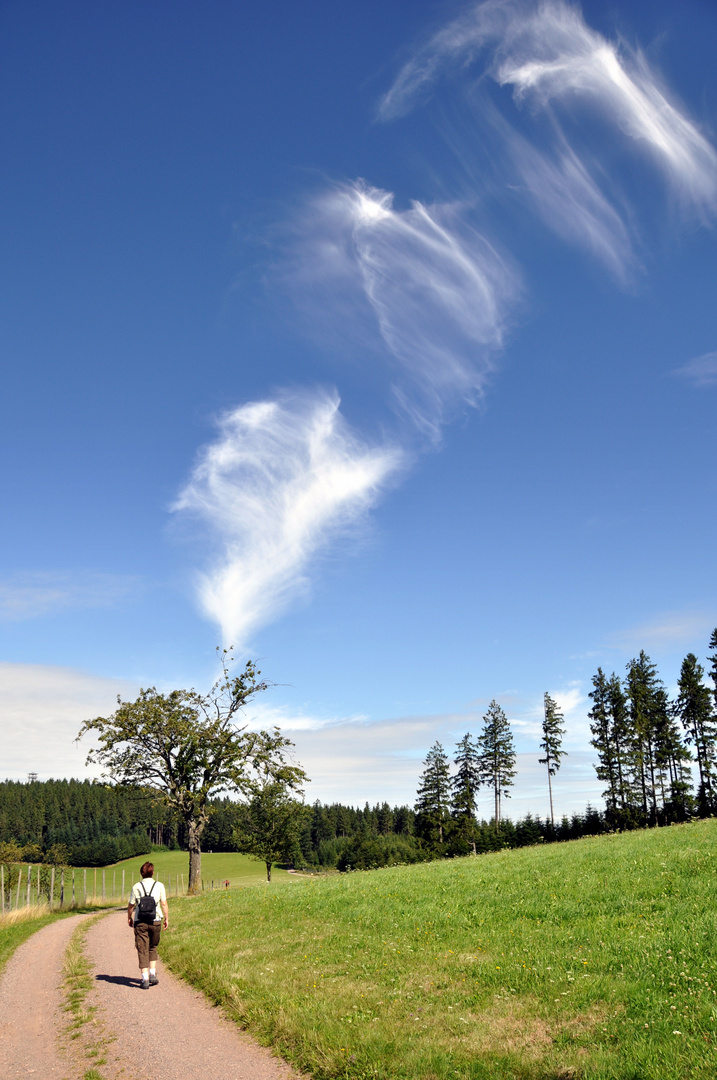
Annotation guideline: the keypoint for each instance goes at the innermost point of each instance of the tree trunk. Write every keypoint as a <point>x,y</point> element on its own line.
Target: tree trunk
<point>195,857</point>
<point>550,790</point>
<point>268,871</point>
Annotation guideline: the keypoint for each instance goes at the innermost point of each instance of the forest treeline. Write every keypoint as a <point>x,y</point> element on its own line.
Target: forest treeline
<point>656,757</point>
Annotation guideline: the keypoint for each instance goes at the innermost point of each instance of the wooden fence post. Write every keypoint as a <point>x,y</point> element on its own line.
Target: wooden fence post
<point>38,884</point>
<point>29,882</point>
<point>73,886</point>
<point>2,889</point>
<point>52,887</point>
<point>94,888</point>
<point>62,887</point>
<point>84,883</point>
<point>123,893</point>
<point>17,895</point>
<point>114,883</point>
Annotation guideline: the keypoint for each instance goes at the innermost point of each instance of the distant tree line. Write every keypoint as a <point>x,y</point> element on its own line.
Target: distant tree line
<point>648,748</point>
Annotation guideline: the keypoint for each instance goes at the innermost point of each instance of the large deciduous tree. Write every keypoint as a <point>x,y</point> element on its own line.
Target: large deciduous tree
<point>188,748</point>
<point>497,755</point>
<point>551,742</point>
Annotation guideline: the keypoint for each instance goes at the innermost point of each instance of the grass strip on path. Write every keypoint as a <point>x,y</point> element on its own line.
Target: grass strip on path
<point>83,1025</point>
<point>594,959</point>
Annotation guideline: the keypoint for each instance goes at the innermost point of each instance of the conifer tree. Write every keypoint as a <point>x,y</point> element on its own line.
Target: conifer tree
<point>713,663</point>
<point>641,684</point>
<point>433,796</point>
<point>694,708</point>
<point>551,742</point>
<point>497,755</point>
<point>601,727</point>
<point>465,785</point>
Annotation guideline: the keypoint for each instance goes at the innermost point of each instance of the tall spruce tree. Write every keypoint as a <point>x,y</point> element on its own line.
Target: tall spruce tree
<point>694,708</point>
<point>659,758</point>
<point>713,663</point>
<point>497,756</point>
<point>551,742</point>
<point>623,740</point>
<point>434,793</point>
<point>465,785</point>
<point>600,719</point>
<point>641,685</point>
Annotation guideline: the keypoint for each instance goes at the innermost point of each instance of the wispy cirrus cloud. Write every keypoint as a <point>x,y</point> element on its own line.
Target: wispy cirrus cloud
<point>438,291</point>
<point>45,593</point>
<point>557,64</point>
<point>283,477</point>
<point>702,371</point>
<point>669,628</point>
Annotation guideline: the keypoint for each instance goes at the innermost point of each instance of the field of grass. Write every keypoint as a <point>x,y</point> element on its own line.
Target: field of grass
<point>594,959</point>
<point>217,868</point>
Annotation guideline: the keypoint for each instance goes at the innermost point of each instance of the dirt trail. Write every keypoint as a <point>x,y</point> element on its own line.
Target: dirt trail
<point>31,1017</point>
<point>169,1029</point>
<point>166,1030</point>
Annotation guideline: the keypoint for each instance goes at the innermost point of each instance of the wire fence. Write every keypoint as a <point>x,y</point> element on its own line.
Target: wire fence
<point>34,885</point>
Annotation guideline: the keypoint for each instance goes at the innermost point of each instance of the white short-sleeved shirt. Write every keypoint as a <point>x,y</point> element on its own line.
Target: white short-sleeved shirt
<point>158,892</point>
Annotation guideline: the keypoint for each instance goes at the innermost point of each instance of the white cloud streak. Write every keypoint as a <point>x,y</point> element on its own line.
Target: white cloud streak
<point>702,371</point>
<point>42,594</point>
<point>571,202</point>
<point>550,57</point>
<point>438,290</point>
<point>283,478</point>
<point>665,630</point>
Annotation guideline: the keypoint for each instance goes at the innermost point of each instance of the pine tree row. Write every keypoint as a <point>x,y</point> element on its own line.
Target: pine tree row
<point>647,745</point>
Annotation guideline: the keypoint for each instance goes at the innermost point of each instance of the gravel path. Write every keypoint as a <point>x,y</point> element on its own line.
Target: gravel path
<point>169,1029</point>
<point>31,1018</point>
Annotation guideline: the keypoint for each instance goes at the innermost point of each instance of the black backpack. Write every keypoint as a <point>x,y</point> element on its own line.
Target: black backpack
<point>147,906</point>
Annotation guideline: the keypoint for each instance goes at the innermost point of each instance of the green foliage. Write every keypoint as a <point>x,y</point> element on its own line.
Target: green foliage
<point>188,748</point>
<point>694,709</point>
<point>270,826</point>
<point>464,786</point>
<point>571,960</point>
<point>77,823</point>
<point>497,755</point>
<point>433,796</point>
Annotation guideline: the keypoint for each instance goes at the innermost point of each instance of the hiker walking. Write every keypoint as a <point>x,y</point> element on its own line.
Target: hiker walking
<point>143,913</point>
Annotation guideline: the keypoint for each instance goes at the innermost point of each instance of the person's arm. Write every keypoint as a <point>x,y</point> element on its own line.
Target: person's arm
<point>130,913</point>
<point>165,911</point>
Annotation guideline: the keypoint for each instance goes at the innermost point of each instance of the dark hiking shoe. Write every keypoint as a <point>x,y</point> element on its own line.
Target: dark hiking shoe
<point>153,980</point>
<point>144,984</point>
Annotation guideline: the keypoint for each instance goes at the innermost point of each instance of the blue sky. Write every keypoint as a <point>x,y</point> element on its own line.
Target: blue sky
<point>378,341</point>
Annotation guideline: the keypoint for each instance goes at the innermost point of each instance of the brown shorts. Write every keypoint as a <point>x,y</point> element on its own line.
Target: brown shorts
<point>146,940</point>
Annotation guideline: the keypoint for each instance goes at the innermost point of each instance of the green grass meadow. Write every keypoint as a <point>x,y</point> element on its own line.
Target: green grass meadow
<point>591,959</point>
<point>219,867</point>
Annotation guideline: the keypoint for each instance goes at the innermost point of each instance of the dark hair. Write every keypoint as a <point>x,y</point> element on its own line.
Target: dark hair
<point>146,869</point>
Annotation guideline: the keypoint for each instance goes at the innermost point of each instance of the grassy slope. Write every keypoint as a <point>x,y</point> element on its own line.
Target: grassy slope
<point>222,866</point>
<point>592,959</point>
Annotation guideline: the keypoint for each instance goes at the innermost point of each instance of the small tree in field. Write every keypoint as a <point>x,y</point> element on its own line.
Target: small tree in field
<point>271,825</point>
<point>552,739</point>
<point>188,748</point>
